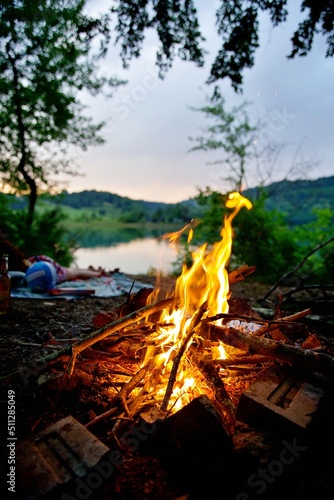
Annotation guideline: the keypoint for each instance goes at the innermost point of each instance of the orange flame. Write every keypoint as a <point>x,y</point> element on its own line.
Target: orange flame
<point>205,281</point>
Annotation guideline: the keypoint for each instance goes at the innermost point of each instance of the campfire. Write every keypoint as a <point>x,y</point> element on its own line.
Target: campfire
<point>176,350</point>
<point>188,345</point>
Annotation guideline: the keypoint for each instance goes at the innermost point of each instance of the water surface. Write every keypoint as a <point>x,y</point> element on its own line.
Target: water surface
<point>137,256</point>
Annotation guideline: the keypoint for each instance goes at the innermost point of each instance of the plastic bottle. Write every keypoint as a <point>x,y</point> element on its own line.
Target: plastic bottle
<point>4,286</point>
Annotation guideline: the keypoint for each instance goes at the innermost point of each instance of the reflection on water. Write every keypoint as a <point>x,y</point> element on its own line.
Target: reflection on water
<point>90,237</point>
<point>133,257</point>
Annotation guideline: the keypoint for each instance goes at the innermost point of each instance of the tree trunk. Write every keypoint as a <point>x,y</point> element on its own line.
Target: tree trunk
<point>22,139</point>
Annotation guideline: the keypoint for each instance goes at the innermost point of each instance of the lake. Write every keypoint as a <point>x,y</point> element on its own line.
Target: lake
<point>136,256</point>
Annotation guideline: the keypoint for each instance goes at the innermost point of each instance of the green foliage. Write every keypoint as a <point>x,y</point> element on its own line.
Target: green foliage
<point>176,24</point>
<point>318,267</point>
<point>261,237</point>
<point>135,215</point>
<point>298,199</point>
<point>126,210</point>
<point>237,21</point>
<point>46,235</point>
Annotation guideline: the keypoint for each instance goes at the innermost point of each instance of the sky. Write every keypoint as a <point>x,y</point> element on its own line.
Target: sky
<point>147,150</point>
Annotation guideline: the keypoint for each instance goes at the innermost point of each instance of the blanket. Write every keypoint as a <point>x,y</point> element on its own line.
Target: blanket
<point>107,286</point>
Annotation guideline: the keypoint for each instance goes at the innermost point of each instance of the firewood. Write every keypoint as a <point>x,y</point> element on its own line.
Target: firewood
<point>120,400</point>
<point>296,316</point>
<point>305,359</point>
<point>115,327</point>
<point>276,334</point>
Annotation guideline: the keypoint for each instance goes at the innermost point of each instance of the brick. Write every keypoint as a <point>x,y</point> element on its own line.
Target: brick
<point>55,457</point>
<point>281,397</point>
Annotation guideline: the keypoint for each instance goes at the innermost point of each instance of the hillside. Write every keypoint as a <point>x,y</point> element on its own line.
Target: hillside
<point>296,199</point>
<point>126,209</point>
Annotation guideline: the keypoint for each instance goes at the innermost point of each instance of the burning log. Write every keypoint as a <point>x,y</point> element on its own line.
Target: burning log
<point>191,330</point>
<point>242,360</point>
<point>306,360</point>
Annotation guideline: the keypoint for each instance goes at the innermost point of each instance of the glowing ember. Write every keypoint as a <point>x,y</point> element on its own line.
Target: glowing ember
<point>205,282</point>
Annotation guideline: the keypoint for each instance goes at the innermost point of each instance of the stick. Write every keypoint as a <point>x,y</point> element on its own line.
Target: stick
<point>296,316</point>
<point>240,274</point>
<point>194,322</point>
<point>117,325</point>
<point>305,359</point>
<point>290,273</point>
<point>242,360</point>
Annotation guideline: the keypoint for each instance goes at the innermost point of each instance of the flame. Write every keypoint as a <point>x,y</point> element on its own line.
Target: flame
<point>218,352</point>
<point>206,281</point>
<point>174,237</point>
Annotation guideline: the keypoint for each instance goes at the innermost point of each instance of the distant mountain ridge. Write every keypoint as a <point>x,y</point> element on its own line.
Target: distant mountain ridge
<point>296,199</point>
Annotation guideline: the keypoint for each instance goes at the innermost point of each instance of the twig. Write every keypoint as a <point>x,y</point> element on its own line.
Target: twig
<point>101,417</point>
<point>122,395</point>
<point>290,273</point>
<point>240,274</point>
<point>242,360</point>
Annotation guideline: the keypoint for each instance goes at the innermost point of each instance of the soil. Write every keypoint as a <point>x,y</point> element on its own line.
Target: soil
<point>254,469</point>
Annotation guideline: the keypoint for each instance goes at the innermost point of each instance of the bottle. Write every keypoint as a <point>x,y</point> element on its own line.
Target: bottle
<point>4,286</point>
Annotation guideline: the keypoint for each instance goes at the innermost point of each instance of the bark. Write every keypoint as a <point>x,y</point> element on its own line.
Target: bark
<point>305,360</point>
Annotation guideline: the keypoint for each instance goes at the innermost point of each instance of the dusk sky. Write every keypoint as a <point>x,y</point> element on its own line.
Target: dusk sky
<point>147,151</point>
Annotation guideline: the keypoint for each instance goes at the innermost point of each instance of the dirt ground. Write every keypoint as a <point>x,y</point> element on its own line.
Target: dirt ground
<point>35,328</point>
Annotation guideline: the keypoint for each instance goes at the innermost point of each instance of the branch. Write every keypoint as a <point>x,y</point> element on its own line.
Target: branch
<point>114,327</point>
<point>303,358</point>
<point>285,276</point>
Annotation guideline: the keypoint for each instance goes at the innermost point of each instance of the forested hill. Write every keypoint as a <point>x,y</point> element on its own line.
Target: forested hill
<point>126,209</point>
<point>298,199</point>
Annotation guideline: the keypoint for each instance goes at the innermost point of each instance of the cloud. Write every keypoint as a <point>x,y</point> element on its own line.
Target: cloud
<point>146,154</point>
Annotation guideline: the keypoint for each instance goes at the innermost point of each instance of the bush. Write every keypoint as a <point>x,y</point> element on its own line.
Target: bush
<point>261,237</point>
<point>46,235</point>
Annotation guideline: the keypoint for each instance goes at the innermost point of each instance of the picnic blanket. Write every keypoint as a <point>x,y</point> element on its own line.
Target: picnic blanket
<point>107,286</point>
